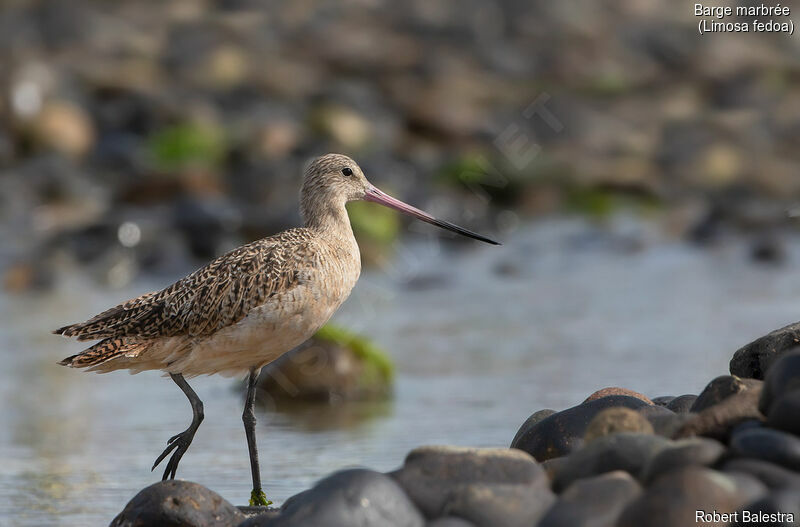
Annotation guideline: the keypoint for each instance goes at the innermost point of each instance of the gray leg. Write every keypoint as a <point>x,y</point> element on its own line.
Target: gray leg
<point>257,496</point>
<point>180,442</point>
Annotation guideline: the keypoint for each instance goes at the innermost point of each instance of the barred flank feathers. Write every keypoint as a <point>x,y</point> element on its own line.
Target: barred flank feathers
<point>104,351</point>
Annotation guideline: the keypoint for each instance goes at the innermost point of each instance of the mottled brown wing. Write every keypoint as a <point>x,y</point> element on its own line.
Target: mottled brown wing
<point>211,298</point>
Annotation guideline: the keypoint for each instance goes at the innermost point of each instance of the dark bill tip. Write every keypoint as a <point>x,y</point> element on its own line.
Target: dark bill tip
<point>377,196</point>
<point>462,231</point>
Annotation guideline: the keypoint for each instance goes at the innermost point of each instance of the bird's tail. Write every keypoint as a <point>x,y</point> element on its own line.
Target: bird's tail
<point>104,351</point>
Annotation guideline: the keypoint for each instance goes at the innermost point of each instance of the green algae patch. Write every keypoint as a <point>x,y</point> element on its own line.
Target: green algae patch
<point>468,169</point>
<point>378,367</point>
<point>499,178</point>
<point>259,499</point>
<point>187,146</point>
<point>602,203</point>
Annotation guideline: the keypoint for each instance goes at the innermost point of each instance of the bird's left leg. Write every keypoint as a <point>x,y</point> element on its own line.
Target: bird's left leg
<point>257,496</point>
<point>180,442</point>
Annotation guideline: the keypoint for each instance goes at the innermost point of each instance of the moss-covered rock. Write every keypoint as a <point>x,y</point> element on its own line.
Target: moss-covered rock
<point>334,365</point>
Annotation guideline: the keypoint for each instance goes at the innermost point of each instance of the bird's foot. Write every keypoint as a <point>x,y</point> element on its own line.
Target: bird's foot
<point>259,499</point>
<point>180,444</point>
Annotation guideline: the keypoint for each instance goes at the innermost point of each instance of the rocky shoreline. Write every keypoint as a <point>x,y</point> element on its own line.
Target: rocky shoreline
<point>727,456</point>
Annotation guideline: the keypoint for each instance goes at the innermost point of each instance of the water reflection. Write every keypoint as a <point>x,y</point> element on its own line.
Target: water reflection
<point>320,417</point>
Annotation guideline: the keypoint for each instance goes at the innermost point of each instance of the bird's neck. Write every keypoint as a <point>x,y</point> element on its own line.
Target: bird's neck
<point>330,220</point>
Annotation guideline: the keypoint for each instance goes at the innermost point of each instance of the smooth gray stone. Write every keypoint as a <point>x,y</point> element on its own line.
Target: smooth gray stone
<point>344,499</point>
<point>720,389</point>
<point>593,502</point>
<point>494,486</point>
<point>690,451</point>
<point>627,452</point>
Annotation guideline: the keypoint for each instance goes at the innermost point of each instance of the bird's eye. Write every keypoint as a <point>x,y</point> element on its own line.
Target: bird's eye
<point>347,171</point>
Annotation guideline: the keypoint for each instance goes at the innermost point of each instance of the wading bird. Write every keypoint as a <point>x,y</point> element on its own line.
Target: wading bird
<point>247,307</point>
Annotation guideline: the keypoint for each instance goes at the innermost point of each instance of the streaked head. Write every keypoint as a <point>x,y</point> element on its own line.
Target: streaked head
<point>334,179</point>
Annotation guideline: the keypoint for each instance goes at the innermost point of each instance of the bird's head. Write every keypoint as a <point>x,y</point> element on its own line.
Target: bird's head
<point>332,180</point>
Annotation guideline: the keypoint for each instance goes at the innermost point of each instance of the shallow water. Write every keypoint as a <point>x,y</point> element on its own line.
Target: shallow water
<point>482,337</point>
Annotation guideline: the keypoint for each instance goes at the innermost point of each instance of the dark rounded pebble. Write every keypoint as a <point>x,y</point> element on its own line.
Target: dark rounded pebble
<point>785,413</point>
<point>673,499</point>
<point>663,400</point>
<point>756,358</point>
<point>720,389</point>
<point>176,503</point>
<point>782,378</point>
<point>530,422</point>
<point>747,425</point>
<point>593,502</point>
<point>347,498</point>
<point>682,403</point>
<point>685,452</point>
<point>779,509</point>
<point>562,432</point>
<point>491,486</point>
<point>718,420</point>
<point>628,452</point>
<point>772,475</point>
<point>769,445</point>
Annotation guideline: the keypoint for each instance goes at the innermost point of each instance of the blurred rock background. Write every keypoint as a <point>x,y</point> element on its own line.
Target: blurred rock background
<point>148,137</point>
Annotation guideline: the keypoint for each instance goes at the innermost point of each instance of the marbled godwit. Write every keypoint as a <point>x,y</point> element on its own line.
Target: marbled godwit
<point>247,307</point>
